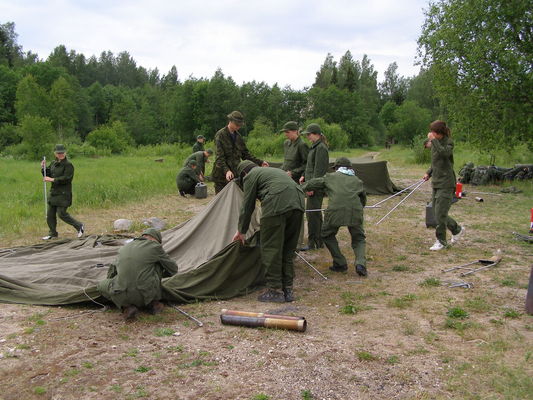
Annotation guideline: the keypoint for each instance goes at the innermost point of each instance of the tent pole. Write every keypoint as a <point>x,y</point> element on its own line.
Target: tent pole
<point>314,269</point>
<point>396,194</point>
<point>405,198</point>
<point>198,322</point>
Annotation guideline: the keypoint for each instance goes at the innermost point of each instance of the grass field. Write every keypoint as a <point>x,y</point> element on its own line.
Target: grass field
<point>401,333</point>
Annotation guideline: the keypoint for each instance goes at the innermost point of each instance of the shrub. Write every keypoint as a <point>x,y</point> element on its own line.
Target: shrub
<point>37,136</point>
<point>113,137</point>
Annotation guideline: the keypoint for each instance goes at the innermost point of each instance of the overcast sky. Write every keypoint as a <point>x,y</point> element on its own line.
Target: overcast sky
<point>283,41</point>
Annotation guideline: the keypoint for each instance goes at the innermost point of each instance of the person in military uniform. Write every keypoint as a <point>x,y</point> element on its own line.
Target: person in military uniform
<point>199,144</point>
<point>316,167</point>
<point>230,150</point>
<point>134,281</point>
<point>187,178</point>
<point>295,152</point>
<point>201,158</point>
<point>282,206</point>
<point>443,183</point>
<point>60,173</point>
<point>347,199</point>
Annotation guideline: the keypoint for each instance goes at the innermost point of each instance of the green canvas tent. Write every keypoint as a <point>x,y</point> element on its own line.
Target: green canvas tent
<point>211,266</point>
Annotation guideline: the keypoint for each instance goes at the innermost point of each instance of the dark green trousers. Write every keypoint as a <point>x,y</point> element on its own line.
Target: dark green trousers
<point>358,243</point>
<point>279,237</point>
<point>51,219</point>
<point>314,220</point>
<point>442,201</point>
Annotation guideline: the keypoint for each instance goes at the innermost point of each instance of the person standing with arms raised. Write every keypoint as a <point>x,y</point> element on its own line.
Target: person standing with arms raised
<point>230,150</point>
<point>443,183</point>
<point>316,167</point>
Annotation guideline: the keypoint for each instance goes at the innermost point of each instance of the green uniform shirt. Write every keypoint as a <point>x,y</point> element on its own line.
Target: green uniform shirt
<point>200,159</point>
<point>295,157</point>
<point>277,192</point>
<point>347,197</point>
<point>441,170</point>
<point>61,191</point>
<point>317,161</point>
<point>197,147</point>
<point>187,178</point>
<point>229,153</point>
<point>140,266</point>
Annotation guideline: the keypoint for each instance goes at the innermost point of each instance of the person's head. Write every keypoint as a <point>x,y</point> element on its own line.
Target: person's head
<point>60,151</point>
<point>342,162</point>
<point>439,127</point>
<point>152,234</point>
<point>236,120</point>
<point>291,130</point>
<point>243,168</point>
<point>208,152</point>
<point>313,132</point>
<point>200,138</point>
<point>192,164</point>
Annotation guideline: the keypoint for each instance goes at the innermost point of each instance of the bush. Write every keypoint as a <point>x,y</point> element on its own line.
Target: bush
<point>263,142</point>
<point>37,136</point>
<point>113,137</point>
<point>86,150</point>
<point>420,153</point>
<point>8,136</point>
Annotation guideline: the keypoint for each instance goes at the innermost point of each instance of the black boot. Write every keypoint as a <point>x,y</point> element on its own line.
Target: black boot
<point>361,270</point>
<point>130,313</point>
<point>272,296</point>
<point>338,268</point>
<point>289,294</point>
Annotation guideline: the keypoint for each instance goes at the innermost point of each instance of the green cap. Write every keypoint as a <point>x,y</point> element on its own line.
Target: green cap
<point>237,117</point>
<point>289,126</point>
<point>153,233</point>
<point>313,128</point>
<point>59,148</point>
<point>342,162</point>
<point>244,165</point>
<point>210,152</point>
<point>192,163</point>
<point>200,137</point>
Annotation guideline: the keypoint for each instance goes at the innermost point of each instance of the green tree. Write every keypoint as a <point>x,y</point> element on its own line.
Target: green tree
<point>411,121</point>
<point>394,86</point>
<point>326,73</point>
<point>63,108</point>
<point>422,91</point>
<point>10,51</point>
<point>37,135</point>
<point>8,90</point>
<point>480,52</point>
<point>113,137</point>
<point>31,98</point>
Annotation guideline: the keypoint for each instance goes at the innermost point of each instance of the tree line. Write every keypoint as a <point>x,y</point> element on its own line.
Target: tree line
<point>482,86</point>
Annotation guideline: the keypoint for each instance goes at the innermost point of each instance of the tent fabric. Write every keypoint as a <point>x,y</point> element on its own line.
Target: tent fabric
<point>210,265</point>
<point>374,174</point>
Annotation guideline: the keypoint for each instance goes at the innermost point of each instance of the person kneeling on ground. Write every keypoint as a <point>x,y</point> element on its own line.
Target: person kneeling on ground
<point>135,280</point>
<point>282,206</point>
<point>347,199</point>
<point>187,178</point>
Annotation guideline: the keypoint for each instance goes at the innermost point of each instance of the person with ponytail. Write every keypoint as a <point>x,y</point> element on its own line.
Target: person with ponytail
<point>443,183</point>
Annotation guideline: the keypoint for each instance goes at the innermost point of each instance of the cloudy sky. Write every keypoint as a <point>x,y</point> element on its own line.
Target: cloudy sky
<point>283,41</point>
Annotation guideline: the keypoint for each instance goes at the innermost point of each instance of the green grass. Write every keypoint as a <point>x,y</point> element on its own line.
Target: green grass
<point>457,312</point>
<point>164,332</point>
<point>430,282</point>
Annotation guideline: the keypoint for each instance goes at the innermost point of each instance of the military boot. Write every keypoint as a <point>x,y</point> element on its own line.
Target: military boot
<point>155,307</point>
<point>272,296</point>
<point>289,294</point>
<point>338,268</point>
<point>361,270</point>
<point>130,313</point>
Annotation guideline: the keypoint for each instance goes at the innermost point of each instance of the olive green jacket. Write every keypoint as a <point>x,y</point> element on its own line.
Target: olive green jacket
<point>140,266</point>
<point>187,178</point>
<point>317,161</point>
<point>61,191</point>
<point>441,170</point>
<point>277,192</point>
<point>200,159</point>
<point>295,157</point>
<point>347,197</point>
<point>197,147</point>
<point>229,154</point>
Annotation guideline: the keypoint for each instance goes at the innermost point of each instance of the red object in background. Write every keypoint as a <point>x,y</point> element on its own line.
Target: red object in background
<point>459,191</point>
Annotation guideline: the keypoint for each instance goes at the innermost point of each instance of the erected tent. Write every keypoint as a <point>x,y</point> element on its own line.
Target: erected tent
<point>210,265</point>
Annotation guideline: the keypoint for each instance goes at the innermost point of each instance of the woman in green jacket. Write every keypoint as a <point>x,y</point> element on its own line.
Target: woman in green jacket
<point>316,167</point>
<point>443,183</point>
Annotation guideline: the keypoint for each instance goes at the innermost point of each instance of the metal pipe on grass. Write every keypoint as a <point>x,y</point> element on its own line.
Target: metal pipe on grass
<point>314,269</point>
<point>198,322</point>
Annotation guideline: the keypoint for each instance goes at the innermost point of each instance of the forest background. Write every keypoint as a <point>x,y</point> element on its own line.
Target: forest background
<point>476,73</point>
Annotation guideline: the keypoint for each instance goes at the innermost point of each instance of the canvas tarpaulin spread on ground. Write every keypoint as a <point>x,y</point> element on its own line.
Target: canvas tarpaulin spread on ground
<point>210,265</point>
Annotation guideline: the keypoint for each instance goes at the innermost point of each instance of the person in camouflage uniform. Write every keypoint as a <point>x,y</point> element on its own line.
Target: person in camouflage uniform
<point>316,167</point>
<point>201,158</point>
<point>61,173</point>
<point>295,152</point>
<point>347,199</point>
<point>443,182</point>
<point>282,205</point>
<point>187,178</point>
<point>199,144</point>
<point>134,281</point>
<point>230,150</point>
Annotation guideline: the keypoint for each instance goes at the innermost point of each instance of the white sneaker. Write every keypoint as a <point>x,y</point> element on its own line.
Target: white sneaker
<point>437,246</point>
<point>455,238</point>
<point>80,232</point>
<point>48,237</point>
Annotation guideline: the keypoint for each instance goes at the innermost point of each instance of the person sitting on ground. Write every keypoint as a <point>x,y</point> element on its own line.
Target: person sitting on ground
<point>201,158</point>
<point>134,281</point>
<point>282,206</point>
<point>347,199</point>
<point>187,178</point>
<point>199,144</point>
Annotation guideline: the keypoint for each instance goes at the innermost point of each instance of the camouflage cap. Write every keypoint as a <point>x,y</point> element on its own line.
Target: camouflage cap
<point>210,152</point>
<point>237,117</point>
<point>244,165</point>
<point>342,162</point>
<point>59,148</point>
<point>313,128</point>
<point>289,126</point>
<point>200,137</point>
<point>153,233</point>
